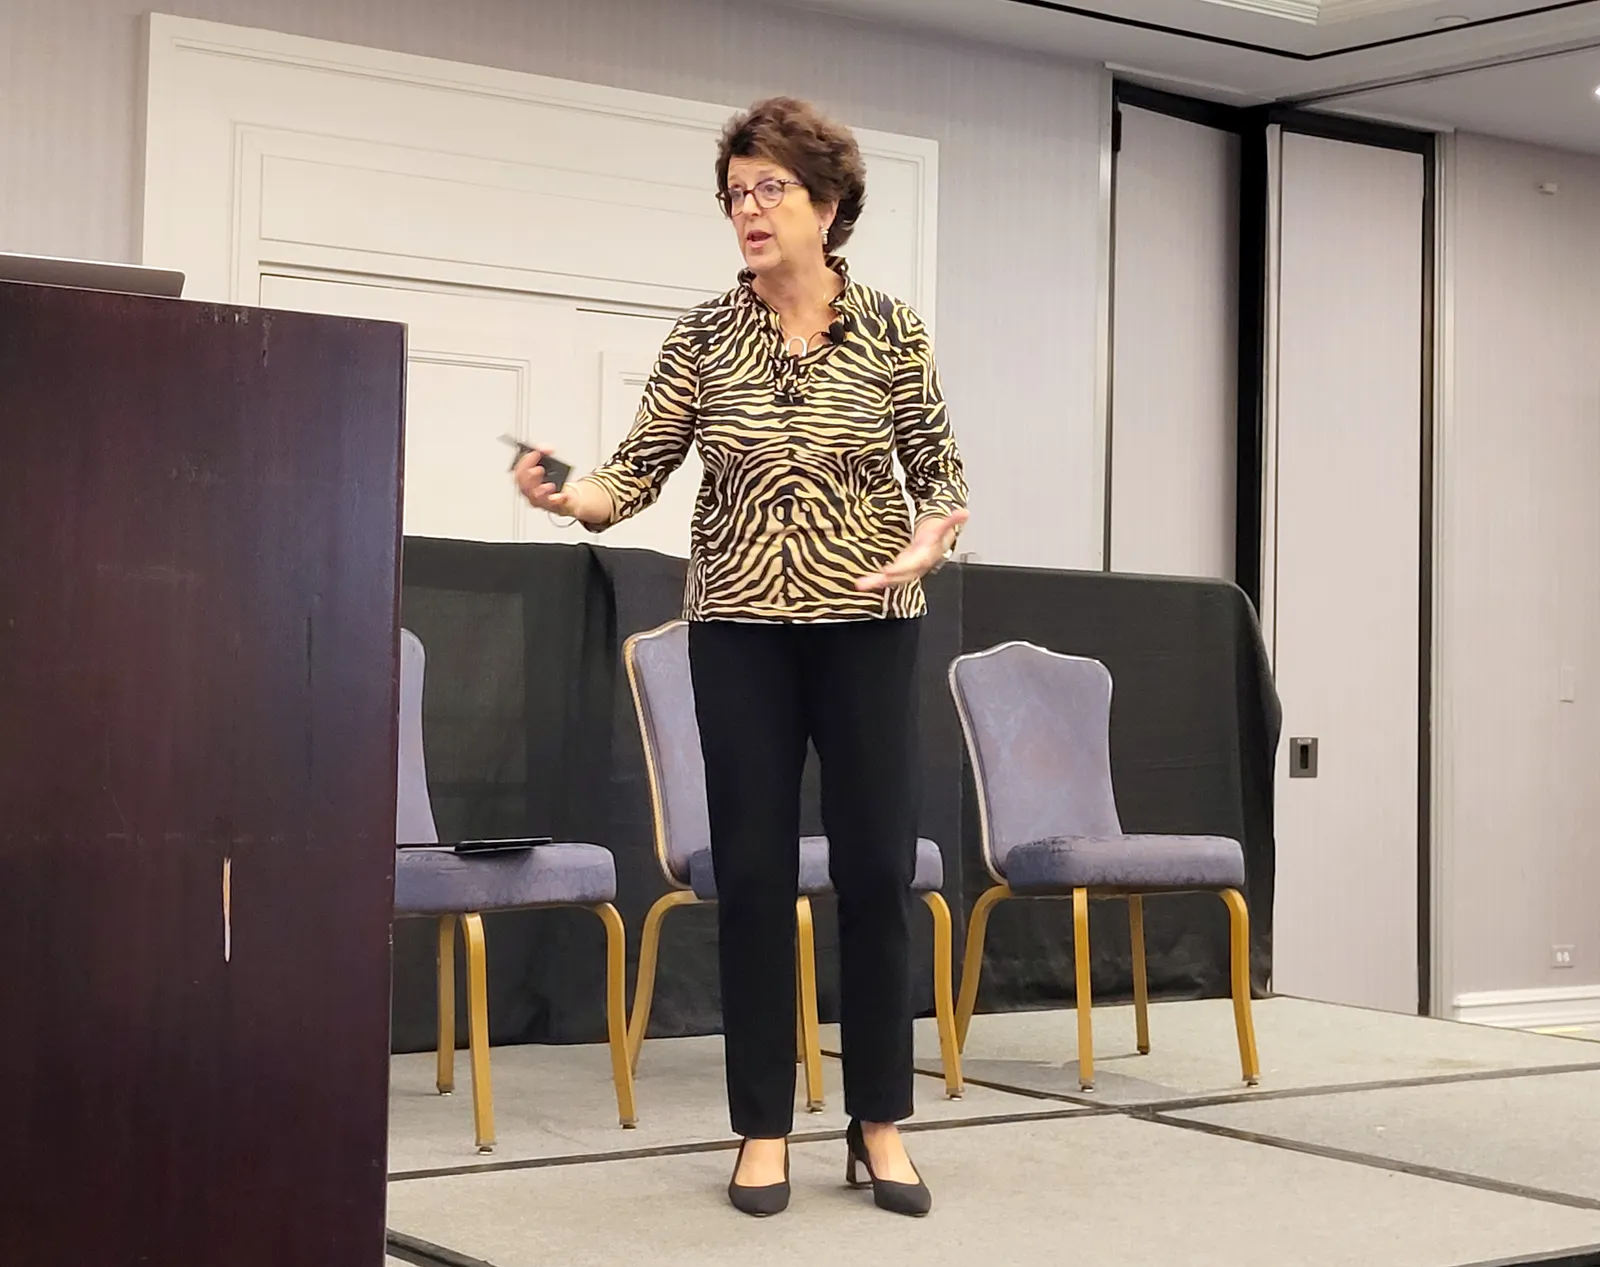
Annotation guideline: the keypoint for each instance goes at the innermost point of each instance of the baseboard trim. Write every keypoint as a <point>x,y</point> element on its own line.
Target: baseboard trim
<point>1531,1009</point>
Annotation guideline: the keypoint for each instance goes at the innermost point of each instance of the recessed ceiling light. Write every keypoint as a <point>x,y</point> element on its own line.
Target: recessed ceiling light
<point>1450,19</point>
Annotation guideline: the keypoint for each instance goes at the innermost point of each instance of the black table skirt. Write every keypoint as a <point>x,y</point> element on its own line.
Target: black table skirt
<point>530,730</point>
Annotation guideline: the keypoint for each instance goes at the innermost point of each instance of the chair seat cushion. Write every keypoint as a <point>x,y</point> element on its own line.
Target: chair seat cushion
<point>443,882</point>
<point>814,877</point>
<point>1125,862</point>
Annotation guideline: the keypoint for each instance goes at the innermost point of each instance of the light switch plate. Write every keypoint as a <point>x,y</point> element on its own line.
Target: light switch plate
<point>1303,758</point>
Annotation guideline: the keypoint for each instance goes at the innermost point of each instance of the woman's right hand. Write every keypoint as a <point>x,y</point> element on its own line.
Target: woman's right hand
<point>529,474</point>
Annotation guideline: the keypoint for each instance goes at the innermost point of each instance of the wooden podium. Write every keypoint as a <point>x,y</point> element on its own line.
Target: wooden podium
<point>199,553</point>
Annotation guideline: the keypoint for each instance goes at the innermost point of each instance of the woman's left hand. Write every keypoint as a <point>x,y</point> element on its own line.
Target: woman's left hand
<point>927,548</point>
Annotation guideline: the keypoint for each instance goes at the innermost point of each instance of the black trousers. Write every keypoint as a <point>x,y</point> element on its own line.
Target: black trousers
<point>762,691</point>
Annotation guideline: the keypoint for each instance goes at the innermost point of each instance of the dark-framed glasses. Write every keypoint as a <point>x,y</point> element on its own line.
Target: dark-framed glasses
<point>768,194</point>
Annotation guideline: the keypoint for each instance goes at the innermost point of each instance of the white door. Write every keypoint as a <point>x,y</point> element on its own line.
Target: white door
<point>1342,590</point>
<point>482,365</point>
<point>537,236</point>
<point>622,349</point>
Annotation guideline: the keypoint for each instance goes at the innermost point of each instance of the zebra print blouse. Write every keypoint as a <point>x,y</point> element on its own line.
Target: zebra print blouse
<point>800,497</point>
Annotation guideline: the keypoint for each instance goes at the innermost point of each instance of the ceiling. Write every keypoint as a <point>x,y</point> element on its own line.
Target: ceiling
<point>1515,68</point>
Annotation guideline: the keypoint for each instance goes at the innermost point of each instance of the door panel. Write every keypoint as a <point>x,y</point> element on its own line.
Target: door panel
<point>480,366</point>
<point>485,365</point>
<point>1344,525</point>
<point>624,351</point>
<point>1174,401</point>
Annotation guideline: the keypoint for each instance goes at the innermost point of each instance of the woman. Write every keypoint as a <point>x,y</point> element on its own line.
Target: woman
<point>800,387</point>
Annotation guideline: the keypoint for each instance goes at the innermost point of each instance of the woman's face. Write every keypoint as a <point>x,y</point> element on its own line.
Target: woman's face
<point>787,234</point>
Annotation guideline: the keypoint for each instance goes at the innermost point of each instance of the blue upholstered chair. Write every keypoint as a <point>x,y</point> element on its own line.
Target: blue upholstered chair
<point>438,883</point>
<point>663,695</point>
<point>1037,727</point>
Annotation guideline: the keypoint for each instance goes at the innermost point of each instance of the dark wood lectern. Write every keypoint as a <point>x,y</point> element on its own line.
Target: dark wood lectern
<point>199,549</point>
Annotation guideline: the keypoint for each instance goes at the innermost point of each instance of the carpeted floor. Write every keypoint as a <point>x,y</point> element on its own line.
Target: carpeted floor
<point>1372,1139</point>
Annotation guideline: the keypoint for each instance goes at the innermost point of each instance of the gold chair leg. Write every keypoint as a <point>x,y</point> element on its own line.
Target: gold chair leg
<point>1080,955</point>
<point>806,1003</point>
<point>478,1031</point>
<point>445,1079</point>
<point>943,1000</point>
<point>972,962</point>
<point>1141,991</point>
<point>1239,925</point>
<point>644,989</point>
<point>617,1011</point>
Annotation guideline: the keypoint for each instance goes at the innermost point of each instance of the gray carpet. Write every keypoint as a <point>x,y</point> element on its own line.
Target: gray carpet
<point>559,1102</point>
<point>1193,1050</point>
<point>1541,1132</point>
<point>1096,1190</point>
<point>1373,1139</point>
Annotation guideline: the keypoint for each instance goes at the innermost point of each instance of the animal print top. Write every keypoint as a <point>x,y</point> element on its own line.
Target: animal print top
<point>800,496</point>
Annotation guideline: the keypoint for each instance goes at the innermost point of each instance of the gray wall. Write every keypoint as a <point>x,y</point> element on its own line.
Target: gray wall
<point>1519,570</point>
<point>1019,203</point>
<point>1519,554</point>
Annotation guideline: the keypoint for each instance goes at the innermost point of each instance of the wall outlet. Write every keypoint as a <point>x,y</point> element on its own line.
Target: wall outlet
<point>1561,956</point>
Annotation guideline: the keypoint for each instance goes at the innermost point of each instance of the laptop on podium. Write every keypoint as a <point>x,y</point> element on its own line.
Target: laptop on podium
<point>124,279</point>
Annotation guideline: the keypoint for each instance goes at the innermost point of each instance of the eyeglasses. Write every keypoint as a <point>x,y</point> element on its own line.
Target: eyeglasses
<point>768,194</point>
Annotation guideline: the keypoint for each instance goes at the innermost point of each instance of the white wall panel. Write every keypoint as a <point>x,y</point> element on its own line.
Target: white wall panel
<point>1344,509</point>
<point>1016,316</point>
<point>269,147</point>
<point>1519,583</point>
<point>479,366</point>
<point>497,214</point>
<point>1173,416</point>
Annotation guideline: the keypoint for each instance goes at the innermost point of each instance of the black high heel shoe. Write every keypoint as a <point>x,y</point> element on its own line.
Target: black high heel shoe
<point>769,1199</point>
<point>898,1198</point>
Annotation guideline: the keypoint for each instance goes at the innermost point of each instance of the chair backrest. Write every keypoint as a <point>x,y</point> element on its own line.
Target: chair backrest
<point>1038,731</point>
<point>414,811</point>
<point>663,698</point>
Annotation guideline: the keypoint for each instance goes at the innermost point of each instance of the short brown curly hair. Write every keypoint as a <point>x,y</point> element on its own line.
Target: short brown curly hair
<point>822,154</point>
